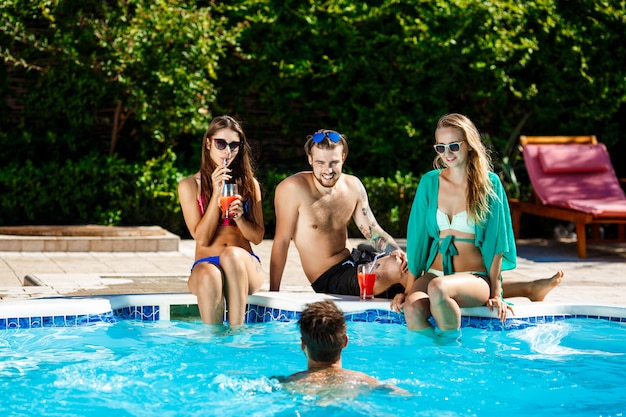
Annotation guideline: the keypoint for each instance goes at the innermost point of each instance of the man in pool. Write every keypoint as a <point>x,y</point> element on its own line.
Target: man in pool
<point>314,208</point>
<point>323,330</point>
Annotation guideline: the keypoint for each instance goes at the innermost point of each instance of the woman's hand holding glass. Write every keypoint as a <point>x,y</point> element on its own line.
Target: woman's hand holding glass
<point>227,200</point>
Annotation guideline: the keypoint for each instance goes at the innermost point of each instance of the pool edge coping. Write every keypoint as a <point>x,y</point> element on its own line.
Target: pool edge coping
<point>265,306</point>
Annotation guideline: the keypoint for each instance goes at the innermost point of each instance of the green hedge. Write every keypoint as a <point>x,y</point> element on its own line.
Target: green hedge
<point>104,103</point>
<point>92,190</point>
<point>110,191</point>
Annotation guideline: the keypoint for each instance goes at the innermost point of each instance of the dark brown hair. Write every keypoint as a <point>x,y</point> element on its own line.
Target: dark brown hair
<point>242,164</point>
<point>325,143</point>
<point>323,329</point>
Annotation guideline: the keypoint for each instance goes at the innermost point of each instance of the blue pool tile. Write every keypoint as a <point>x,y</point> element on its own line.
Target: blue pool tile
<point>376,316</point>
<point>250,316</point>
<point>147,313</point>
<point>260,314</point>
<point>82,320</point>
<point>36,322</point>
<point>275,313</point>
<point>150,313</point>
<point>255,314</point>
<point>143,313</point>
<point>359,316</point>
<point>292,315</point>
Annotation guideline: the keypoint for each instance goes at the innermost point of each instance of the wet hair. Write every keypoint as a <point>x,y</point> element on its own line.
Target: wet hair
<point>242,164</point>
<point>323,328</point>
<point>479,187</point>
<point>326,143</point>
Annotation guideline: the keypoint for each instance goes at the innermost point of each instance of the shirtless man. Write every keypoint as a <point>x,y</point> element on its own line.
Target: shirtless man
<point>314,208</point>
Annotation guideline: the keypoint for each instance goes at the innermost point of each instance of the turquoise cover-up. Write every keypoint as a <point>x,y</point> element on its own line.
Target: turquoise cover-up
<point>494,236</point>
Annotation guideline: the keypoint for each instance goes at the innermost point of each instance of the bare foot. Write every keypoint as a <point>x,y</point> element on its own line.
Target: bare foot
<point>538,289</point>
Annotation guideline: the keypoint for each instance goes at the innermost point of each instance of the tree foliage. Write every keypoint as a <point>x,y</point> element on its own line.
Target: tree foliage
<point>143,69</point>
<point>384,71</point>
<point>115,95</point>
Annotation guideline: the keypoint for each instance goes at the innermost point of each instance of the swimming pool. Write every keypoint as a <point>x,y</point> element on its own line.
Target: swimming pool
<point>154,366</point>
<point>184,368</point>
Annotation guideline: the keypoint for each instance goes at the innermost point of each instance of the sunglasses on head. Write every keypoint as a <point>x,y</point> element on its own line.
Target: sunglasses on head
<point>221,144</point>
<point>454,147</point>
<point>332,136</point>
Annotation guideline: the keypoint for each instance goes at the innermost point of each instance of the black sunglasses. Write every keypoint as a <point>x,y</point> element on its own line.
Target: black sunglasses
<point>221,144</point>
<point>333,136</point>
<point>454,147</point>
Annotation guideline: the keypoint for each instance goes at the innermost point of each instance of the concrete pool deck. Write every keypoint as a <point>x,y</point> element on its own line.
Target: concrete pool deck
<point>598,279</point>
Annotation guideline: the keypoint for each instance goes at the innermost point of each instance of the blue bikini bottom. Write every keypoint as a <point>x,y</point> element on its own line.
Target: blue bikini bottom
<point>215,260</point>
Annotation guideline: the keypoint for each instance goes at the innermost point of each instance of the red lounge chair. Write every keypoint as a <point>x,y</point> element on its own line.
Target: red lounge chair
<point>573,180</point>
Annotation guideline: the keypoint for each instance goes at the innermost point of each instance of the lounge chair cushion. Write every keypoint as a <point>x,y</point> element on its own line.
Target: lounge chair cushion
<point>570,159</point>
<point>599,208</point>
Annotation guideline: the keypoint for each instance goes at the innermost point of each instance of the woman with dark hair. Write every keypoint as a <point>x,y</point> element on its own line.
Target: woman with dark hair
<point>225,268</point>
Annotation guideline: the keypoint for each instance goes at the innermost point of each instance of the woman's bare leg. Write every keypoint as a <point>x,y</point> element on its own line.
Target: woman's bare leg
<point>451,292</point>
<point>206,283</point>
<point>417,306</point>
<point>243,276</point>
<point>535,290</point>
<point>417,311</point>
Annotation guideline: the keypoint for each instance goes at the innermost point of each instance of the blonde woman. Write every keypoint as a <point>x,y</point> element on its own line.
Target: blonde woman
<point>459,237</point>
<point>225,267</point>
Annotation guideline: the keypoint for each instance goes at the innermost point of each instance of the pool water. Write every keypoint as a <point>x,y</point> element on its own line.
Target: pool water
<point>574,367</point>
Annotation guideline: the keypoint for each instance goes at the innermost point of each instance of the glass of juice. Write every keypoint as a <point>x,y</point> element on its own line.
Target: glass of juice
<point>367,278</point>
<point>229,194</point>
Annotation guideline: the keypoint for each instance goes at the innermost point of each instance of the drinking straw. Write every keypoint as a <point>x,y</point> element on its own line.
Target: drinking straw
<point>375,259</point>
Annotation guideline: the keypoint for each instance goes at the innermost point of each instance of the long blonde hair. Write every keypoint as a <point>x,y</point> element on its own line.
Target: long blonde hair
<point>479,187</point>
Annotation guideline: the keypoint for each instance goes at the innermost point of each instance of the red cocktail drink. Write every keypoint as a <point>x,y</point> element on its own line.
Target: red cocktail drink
<point>225,203</point>
<point>367,279</point>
